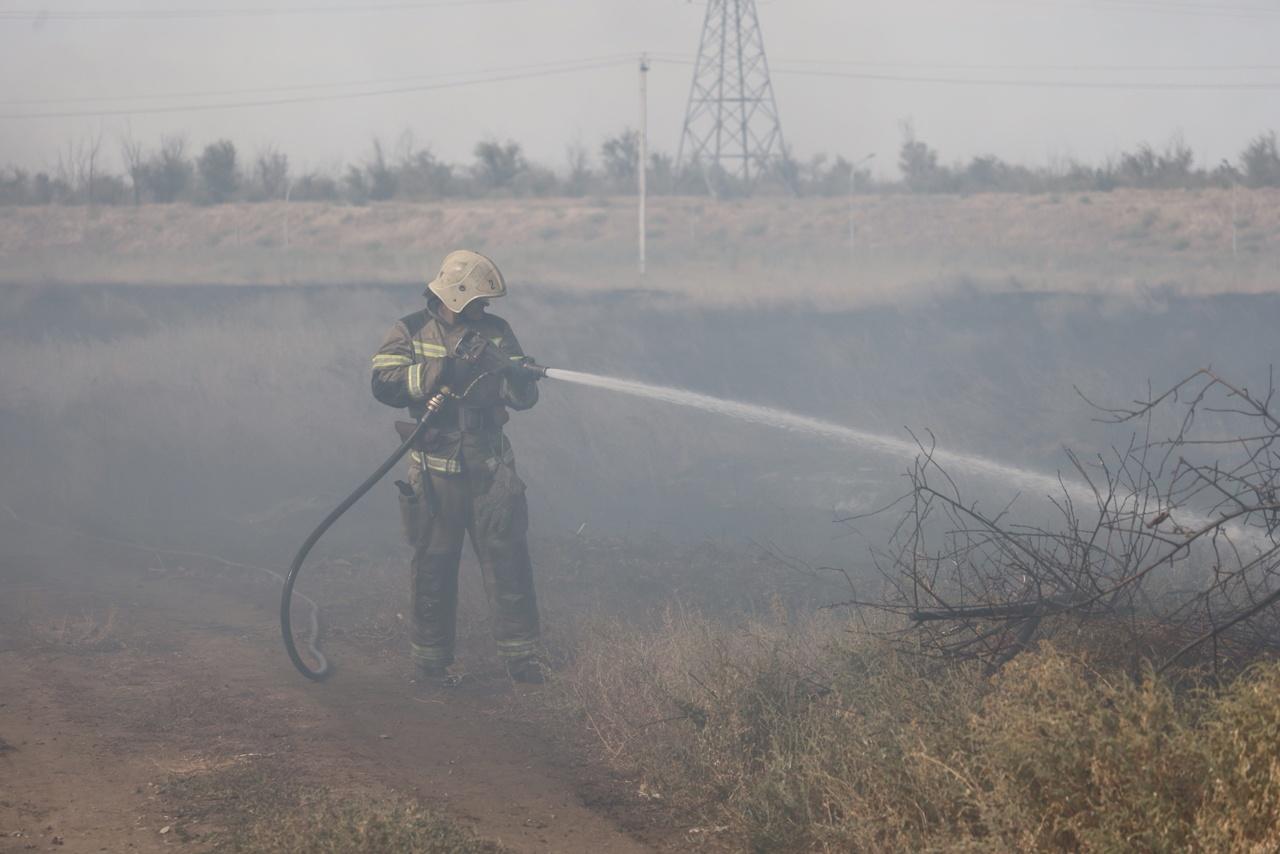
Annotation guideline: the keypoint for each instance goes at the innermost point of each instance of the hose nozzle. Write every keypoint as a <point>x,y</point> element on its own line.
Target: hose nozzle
<point>529,366</point>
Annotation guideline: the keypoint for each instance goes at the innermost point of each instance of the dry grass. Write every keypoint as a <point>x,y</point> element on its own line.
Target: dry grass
<point>346,827</point>
<point>79,633</point>
<point>1117,243</point>
<point>257,805</point>
<point>809,736</point>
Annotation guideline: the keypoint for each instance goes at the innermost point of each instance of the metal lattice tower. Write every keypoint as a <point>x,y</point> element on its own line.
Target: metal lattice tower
<point>731,127</point>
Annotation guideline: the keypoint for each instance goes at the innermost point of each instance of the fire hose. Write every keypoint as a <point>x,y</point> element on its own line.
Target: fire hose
<point>471,348</point>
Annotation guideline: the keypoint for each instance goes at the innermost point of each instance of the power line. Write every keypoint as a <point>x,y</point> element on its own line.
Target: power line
<point>1159,7</point>
<point>41,15</point>
<point>962,66</point>
<point>572,64</point>
<point>300,87</point>
<point>1133,85</point>
<point>306,99</point>
<point>1024,67</point>
<point>1167,7</point>
<point>1019,83</point>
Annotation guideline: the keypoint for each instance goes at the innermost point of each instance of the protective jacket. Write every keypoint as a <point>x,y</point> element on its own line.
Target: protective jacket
<point>413,364</point>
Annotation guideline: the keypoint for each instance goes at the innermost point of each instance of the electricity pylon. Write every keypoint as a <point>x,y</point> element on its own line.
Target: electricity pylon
<point>731,127</point>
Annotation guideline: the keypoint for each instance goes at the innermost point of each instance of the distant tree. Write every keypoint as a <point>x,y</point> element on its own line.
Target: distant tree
<point>79,169</point>
<point>109,189</point>
<point>1139,167</point>
<point>314,187</point>
<point>536,180</point>
<point>419,173</point>
<point>1177,164</point>
<point>1260,161</point>
<point>135,164</point>
<point>579,175</point>
<point>785,171</point>
<point>838,179</point>
<point>271,173</point>
<point>218,174</point>
<point>985,172</point>
<point>662,173</point>
<point>355,187</point>
<point>15,186</point>
<point>423,176</point>
<point>620,154</point>
<point>919,163</point>
<point>381,183</point>
<point>498,164</point>
<point>42,189</point>
<point>168,172</point>
<point>1146,167</point>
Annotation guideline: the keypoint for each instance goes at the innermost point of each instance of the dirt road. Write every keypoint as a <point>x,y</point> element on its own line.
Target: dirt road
<point>124,684</point>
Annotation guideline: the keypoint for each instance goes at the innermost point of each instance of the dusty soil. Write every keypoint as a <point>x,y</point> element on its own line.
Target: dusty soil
<point>137,697</point>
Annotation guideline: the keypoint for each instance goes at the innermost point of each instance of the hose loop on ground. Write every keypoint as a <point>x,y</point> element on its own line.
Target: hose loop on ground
<point>325,668</point>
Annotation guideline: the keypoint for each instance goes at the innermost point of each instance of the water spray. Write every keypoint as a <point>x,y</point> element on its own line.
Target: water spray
<point>769,416</point>
<point>475,349</point>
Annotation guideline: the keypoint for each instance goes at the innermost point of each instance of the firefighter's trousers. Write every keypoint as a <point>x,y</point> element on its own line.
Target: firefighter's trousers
<point>488,503</point>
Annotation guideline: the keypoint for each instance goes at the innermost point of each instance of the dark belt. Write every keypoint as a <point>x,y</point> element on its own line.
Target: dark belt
<point>475,420</point>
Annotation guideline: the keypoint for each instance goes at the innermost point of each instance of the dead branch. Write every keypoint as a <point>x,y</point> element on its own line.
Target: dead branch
<point>1179,547</point>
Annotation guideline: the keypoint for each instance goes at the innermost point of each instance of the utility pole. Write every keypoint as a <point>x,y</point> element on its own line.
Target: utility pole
<point>731,126</point>
<point>853,191</point>
<point>642,168</point>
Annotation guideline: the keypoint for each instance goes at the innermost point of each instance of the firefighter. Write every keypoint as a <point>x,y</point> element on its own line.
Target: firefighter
<point>462,475</point>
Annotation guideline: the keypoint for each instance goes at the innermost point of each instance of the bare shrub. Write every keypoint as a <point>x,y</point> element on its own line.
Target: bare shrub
<point>271,173</point>
<point>498,164</point>
<point>578,176</point>
<point>15,186</point>
<point>1260,161</point>
<point>134,157</point>
<point>1173,541</point>
<point>219,172</point>
<point>620,154</point>
<point>167,174</point>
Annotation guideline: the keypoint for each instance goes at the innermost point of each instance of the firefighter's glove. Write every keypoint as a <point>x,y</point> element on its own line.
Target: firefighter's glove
<point>526,368</point>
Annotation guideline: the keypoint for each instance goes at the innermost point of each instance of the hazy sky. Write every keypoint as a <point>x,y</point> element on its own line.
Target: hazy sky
<point>109,55</point>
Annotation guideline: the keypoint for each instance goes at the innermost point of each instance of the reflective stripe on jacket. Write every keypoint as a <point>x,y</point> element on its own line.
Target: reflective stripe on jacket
<point>413,364</point>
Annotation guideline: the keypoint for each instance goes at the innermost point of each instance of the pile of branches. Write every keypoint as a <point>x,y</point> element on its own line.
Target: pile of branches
<point>1172,542</point>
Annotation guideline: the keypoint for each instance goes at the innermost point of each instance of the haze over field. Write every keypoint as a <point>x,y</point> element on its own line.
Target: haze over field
<point>859,518</point>
<point>1122,72</point>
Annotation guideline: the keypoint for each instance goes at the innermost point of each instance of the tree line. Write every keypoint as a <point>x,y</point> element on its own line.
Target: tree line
<point>173,171</point>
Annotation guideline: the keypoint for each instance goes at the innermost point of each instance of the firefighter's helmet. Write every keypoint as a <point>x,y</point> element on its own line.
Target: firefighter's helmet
<point>466,276</point>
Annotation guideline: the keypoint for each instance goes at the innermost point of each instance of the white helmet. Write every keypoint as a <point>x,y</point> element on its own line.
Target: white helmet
<point>466,276</point>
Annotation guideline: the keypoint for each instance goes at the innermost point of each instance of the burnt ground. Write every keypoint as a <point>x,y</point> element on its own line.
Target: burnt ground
<point>143,690</point>
<point>145,703</point>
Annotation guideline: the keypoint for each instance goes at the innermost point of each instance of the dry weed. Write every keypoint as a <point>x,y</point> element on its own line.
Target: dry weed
<point>258,804</point>
<point>806,735</point>
<point>81,633</point>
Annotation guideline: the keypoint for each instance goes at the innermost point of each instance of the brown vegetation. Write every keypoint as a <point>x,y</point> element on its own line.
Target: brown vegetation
<point>812,735</point>
<point>258,807</point>
<point>1119,243</point>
